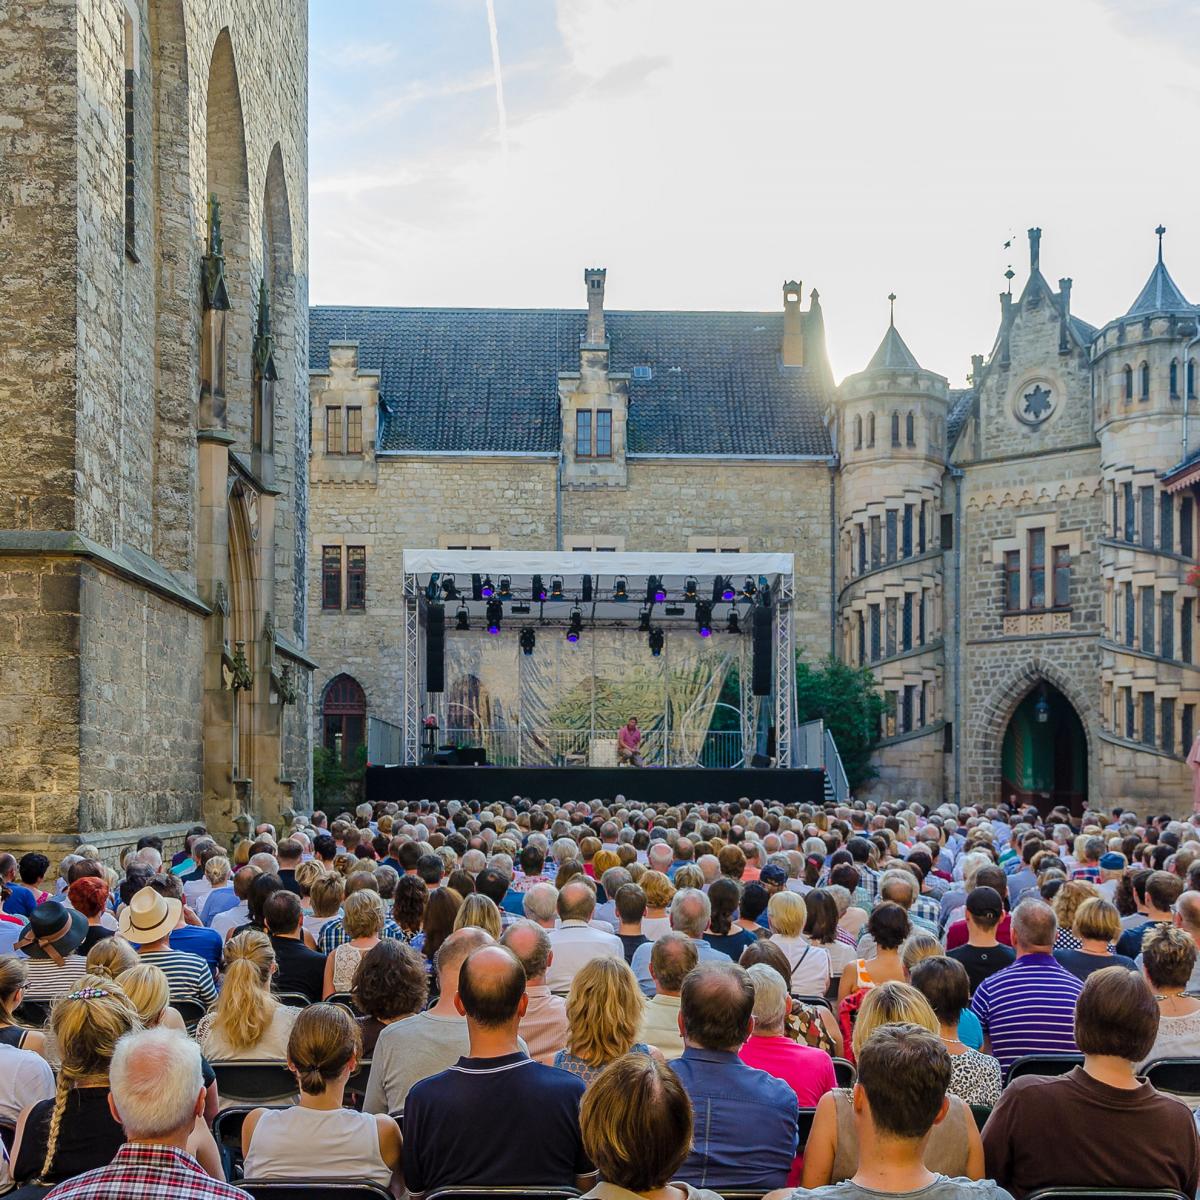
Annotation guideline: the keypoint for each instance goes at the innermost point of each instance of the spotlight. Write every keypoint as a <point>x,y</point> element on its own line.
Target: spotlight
<point>449,588</point>
<point>477,587</point>
<point>576,626</point>
<point>689,588</point>
<point>620,588</point>
<point>495,614</point>
<point>733,625</point>
<point>431,588</point>
<point>727,592</point>
<point>556,587</point>
<point>655,641</point>
<point>539,588</point>
<point>505,592</point>
<point>644,621</point>
<point>654,590</point>
<point>486,591</point>
<point>463,620</point>
<point>704,618</point>
<point>749,588</point>
<point>528,640</point>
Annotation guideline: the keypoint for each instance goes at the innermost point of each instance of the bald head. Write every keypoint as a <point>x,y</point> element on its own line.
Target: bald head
<point>491,988</point>
<point>531,945</point>
<point>690,911</point>
<point>672,957</point>
<point>717,1006</point>
<point>1187,911</point>
<point>576,901</point>
<point>454,950</point>
<point>1034,926</point>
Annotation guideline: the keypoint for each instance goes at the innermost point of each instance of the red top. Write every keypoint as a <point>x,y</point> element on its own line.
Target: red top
<point>956,933</point>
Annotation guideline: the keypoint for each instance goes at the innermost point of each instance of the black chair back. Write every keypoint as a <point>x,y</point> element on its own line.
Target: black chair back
<point>292,999</point>
<point>227,1133</point>
<point>981,1112</point>
<point>1106,1193</point>
<point>507,1193</point>
<point>1044,1064</point>
<point>814,1001</point>
<point>344,998</point>
<point>844,1072</point>
<point>321,1189</point>
<point>192,1012</point>
<point>8,1130</point>
<point>34,1013</point>
<point>1178,1075</point>
<point>254,1082</point>
<point>804,1126</point>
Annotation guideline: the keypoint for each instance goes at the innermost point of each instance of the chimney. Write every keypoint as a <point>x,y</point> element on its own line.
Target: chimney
<point>793,326</point>
<point>1064,309</point>
<point>1035,250</point>
<point>976,369</point>
<point>593,278</point>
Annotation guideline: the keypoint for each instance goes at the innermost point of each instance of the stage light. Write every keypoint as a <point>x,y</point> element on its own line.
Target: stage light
<point>431,589</point>
<point>463,620</point>
<point>495,614</point>
<point>538,588</point>
<point>727,592</point>
<point>748,588</point>
<point>733,625</point>
<point>644,621</point>
<point>449,587</point>
<point>528,640</point>
<point>486,591</point>
<point>556,587</point>
<point>505,592</point>
<point>655,641</point>
<point>576,626</point>
<point>620,588</point>
<point>477,587</point>
<point>655,593</point>
<point>704,618</point>
<point>689,588</point>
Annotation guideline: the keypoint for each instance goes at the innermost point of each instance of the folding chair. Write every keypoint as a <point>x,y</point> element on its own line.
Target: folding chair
<point>356,1085</point>
<point>345,999</point>
<point>292,999</point>
<point>227,1133</point>
<point>981,1112</point>
<point>33,1013</point>
<point>1180,1076</point>
<point>1106,1193</point>
<point>844,1072</point>
<point>318,1189</point>
<point>804,1126</point>
<point>505,1193</point>
<point>192,1012</point>
<point>254,1082</point>
<point>814,1001</point>
<point>1044,1064</point>
<point>8,1130</point>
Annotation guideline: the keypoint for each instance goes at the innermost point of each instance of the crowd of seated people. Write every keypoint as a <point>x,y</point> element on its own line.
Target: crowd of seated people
<point>829,1001</point>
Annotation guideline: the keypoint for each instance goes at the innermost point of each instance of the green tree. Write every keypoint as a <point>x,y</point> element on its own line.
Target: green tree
<point>336,785</point>
<point>845,698</point>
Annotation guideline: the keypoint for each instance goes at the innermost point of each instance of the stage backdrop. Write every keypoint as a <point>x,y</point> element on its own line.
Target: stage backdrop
<point>563,704</point>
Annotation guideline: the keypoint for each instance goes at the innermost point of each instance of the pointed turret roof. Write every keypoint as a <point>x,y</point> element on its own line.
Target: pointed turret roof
<point>1160,295</point>
<point>893,354</point>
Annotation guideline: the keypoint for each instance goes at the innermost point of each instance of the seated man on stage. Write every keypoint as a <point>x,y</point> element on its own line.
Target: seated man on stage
<point>628,742</point>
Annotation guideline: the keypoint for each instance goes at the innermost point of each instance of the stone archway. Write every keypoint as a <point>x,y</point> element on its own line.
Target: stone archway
<point>1044,754</point>
<point>990,721</point>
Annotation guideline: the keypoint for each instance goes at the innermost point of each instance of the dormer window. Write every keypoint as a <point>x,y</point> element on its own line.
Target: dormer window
<point>593,433</point>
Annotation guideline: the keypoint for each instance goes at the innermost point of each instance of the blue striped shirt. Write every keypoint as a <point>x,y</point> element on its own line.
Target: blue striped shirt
<point>1028,1008</point>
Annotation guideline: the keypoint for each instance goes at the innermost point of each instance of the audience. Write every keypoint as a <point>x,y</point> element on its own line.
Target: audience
<point>809,1024</point>
<point>391,983</point>
<point>544,1025</point>
<point>89,895</point>
<point>50,942</point>
<point>575,942</point>
<point>787,915</point>
<point>1162,891</point>
<point>690,912</point>
<point>629,905</point>
<point>148,921</point>
<point>604,1014</point>
<point>14,973</point>
<point>149,992</point>
<point>983,954</point>
<point>888,926</point>
<point>724,934</point>
<point>298,968</point>
<point>362,921</point>
<point>1097,925</point>
<point>1168,960</point>
<point>672,957</point>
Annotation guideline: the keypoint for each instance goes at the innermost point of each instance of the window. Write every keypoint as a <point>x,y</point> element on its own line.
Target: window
<point>948,738</point>
<point>593,433</point>
<point>1166,523</point>
<point>1187,616</point>
<point>1127,492</point>
<point>891,535</point>
<point>923,716</point>
<point>583,433</point>
<point>1037,568</point>
<point>1187,728</point>
<point>1128,375</point>
<point>1062,576</point>
<point>1116,516</point>
<point>604,433</point>
<point>862,640</point>
<point>871,430</point>
<point>333,430</point>
<point>356,577</point>
<point>858,433</point>
<point>1130,722</point>
<point>131,49</point>
<point>875,633</point>
<point>1147,601</point>
<point>910,430</point>
<point>947,531</point>
<point>344,716</point>
<point>1144,390</point>
<point>331,577</point>
<point>921,527</point>
<point>1146,497</point>
<point>1012,580</point>
<point>906,537</point>
<point>891,626</point>
<point>1167,726</point>
<point>907,704</point>
<point>862,548</point>
<point>1166,624</point>
<point>615,544</point>
<point>895,429</point>
<point>1130,615</point>
<point>889,714</point>
<point>1174,379</point>
<point>906,623</point>
<point>1186,507</point>
<point>921,619</point>
<point>876,550</point>
<point>1148,718</point>
<point>354,430</point>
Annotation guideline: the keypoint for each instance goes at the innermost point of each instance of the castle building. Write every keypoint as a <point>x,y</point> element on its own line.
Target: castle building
<point>1010,560</point>
<point>154,316</point>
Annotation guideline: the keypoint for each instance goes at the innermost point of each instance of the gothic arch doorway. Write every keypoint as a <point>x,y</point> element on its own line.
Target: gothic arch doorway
<point>1044,754</point>
<point>344,718</point>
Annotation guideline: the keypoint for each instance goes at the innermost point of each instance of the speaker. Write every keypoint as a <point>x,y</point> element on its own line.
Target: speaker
<point>760,760</point>
<point>587,589</point>
<point>761,678</point>
<point>435,649</point>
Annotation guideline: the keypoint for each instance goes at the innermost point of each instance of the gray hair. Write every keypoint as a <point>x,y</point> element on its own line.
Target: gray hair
<point>563,850</point>
<point>905,879</point>
<point>614,879</point>
<point>690,912</point>
<point>541,902</point>
<point>268,864</point>
<point>474,861</point>
<point>155,1079</point>
<point>770,997</point>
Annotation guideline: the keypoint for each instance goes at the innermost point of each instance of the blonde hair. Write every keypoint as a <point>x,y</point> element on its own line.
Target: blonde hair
<point>479,912</point>
<point>324,1038</point>
<point>1068,899</point>
<point>604,1011</point>
<point>241,853</point>
<point>246,1007</point>
<point>217,870</point>
<point>660,891</point>
<point>1097,918</point>
<point>111,956</point>
<point>326,894</point>
<point>149,991</point>
<point>605,860</point>
<point>307,873</point>
<point>787,913</point>
<point>892,1003</point>
<point>87,1024</point>
<point>919,945</point>
<point>362,914</point>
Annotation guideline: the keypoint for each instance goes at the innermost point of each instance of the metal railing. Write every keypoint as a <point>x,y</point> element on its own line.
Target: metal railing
<point>385,743</point>
<point>815,747</point>
<point>526,746</point>
<point>835,770</point>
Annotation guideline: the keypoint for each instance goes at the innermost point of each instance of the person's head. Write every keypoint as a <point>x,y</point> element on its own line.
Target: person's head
<point>149,991</point>
<point>363,915</point>
<point>918,946</point>
<point>32,868</point>
<point>246,1007</point>
<point>13,977</point>
<point>452,953</point>
<point>217,870</point>
<point>283,913</point>
<point>531,945</point>
<point>660,891</point>
<point>821,923</point>
<point>479,912</point>
<point>110,956</point>
<point>492,884</point>
<point>690,912</point>
<point>1034,927</point>
<point>409,901</point>
<point>903,1073</point>
<point>1162,890</point>
<point>891,1003</point>
<point>717,1006</point>
<point>541,904</point>
<point>630,903</point>
<point>156,1085</point>
<point>431,868</point>
<point>326,894</point>
<point>755,899</point>
<point>390,981</point>
<point>323,1047</point>
<point>1168,957</point>
<point>944,982</point>
<point>771,1000</point>
<point>671,958</point>
<point>491,989</point>
<point>89,896</point>
<point>576,901</point>
<point>604,1011</point>
<point>1116,1015</point>
<point>1068,898</point>
<point>289,853</point>
<point>889,925</point>
<point>787,912</point>
<point>1097,920</point>
<point>985,909</point>
<point>636,1123</point>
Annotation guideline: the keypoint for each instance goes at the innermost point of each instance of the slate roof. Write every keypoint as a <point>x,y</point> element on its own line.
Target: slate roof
<point>893,354</point>
<point>1160,295</point>
<point>959,410</point>
<point>486,379</point>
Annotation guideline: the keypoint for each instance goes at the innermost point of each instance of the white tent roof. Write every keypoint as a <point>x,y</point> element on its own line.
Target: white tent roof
<point>526,563</point>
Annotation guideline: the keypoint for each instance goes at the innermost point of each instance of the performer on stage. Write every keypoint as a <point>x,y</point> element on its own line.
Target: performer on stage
<point>628,742</point>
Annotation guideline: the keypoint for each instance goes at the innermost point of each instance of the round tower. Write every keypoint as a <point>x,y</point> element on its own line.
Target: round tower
<point>892,442</point>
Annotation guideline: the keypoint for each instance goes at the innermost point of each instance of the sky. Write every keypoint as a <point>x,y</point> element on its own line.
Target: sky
<point>704,151</point>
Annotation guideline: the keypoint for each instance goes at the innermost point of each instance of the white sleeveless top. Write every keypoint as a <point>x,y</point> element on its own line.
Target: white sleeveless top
<point>310,1143</point>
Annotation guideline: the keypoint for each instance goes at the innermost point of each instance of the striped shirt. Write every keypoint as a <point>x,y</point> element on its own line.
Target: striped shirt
<point>334,935</point>
<point>188,974</point>
<point>1028,1008</point>
<point>47,980</point>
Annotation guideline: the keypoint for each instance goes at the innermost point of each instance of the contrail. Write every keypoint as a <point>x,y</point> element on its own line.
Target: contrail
<point>501,114</point>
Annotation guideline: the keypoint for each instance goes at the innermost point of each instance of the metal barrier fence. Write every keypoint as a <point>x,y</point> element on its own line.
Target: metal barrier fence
<point>533,747</point>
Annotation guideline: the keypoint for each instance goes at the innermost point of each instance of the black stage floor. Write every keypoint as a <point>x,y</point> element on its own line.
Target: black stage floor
<point>669,785</point>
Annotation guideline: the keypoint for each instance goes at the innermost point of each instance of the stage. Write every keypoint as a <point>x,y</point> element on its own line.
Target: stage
<point>674,785</point>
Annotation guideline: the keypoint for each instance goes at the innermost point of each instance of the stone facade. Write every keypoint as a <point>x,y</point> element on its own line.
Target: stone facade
<point>121,118</point>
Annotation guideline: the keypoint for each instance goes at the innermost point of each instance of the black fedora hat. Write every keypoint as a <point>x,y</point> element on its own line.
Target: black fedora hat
<point>53,931</point>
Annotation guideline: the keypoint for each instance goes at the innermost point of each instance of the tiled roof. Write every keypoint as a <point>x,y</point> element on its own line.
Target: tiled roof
<point>893,354</point>
<point>486,379</point>
<point>1160,295</point>
<point>957,413</point>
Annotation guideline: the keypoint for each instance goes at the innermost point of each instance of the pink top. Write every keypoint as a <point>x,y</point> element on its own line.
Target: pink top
<point>630,738</point>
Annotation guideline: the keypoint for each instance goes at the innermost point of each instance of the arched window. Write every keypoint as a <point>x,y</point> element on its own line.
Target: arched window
<point>344,718</point>
<point>858,433</point>
<point>1128,383</point>
<point>871,430</point>
<point>910,429</point>
<point>1174,379</point>
<point>895,429</point>
<point>1144,372</point>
